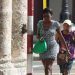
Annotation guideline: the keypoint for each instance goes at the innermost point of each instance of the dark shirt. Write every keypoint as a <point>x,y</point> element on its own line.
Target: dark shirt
<point>70,41</point>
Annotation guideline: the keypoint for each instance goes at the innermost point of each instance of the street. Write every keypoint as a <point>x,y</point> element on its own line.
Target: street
<point>39,70</point>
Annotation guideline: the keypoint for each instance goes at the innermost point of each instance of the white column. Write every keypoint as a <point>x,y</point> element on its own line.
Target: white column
<point>5,28</point>
<point>6,67</point>
<point>19,42</point>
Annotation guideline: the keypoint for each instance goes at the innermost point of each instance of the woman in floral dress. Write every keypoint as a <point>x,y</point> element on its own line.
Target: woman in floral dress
<point>47,29</point>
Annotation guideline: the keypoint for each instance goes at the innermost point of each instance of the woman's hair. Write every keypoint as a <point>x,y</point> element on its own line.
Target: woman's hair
<point>47,10</point>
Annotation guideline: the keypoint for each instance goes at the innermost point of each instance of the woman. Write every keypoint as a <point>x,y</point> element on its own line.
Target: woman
<point>47,29</point>
<point>69,37</point>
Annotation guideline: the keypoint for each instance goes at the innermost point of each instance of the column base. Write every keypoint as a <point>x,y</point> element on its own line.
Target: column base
<point>9,66</point>
<point>20,58</point>
<point>8,69</point>
<point>20,64</point>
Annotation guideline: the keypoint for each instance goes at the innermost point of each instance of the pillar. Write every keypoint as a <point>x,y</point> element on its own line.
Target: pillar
<point>73,11</point>
<point>30,36</point>
<point>19,41</point>
<point>64,12</point>
<point>6,67</point>
<point>5,28</point>
<point>44,4</point>
<point>38,7</point>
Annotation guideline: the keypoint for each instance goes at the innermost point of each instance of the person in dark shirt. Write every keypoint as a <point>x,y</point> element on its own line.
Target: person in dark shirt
<point>69,37</point>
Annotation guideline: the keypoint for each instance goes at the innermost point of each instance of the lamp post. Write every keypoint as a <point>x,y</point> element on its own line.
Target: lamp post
<point>73,11</point>
<point>64,12</point>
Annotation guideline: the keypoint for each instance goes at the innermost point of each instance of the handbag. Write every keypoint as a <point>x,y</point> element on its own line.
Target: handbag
<point>40,47</point>
<point>63,57</point>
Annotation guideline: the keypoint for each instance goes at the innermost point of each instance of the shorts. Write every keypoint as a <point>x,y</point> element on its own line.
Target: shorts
<point>66,66</point>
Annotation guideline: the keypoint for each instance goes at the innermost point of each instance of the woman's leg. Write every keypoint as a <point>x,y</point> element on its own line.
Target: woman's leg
<point>48,66</point>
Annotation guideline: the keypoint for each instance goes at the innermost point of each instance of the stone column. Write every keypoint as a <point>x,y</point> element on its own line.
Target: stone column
<point>19,48</point>
<point>5,28</point>
<point>6,66</point>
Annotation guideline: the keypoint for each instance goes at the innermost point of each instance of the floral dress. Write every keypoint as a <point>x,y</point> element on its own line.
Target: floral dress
<point>49,36</point>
